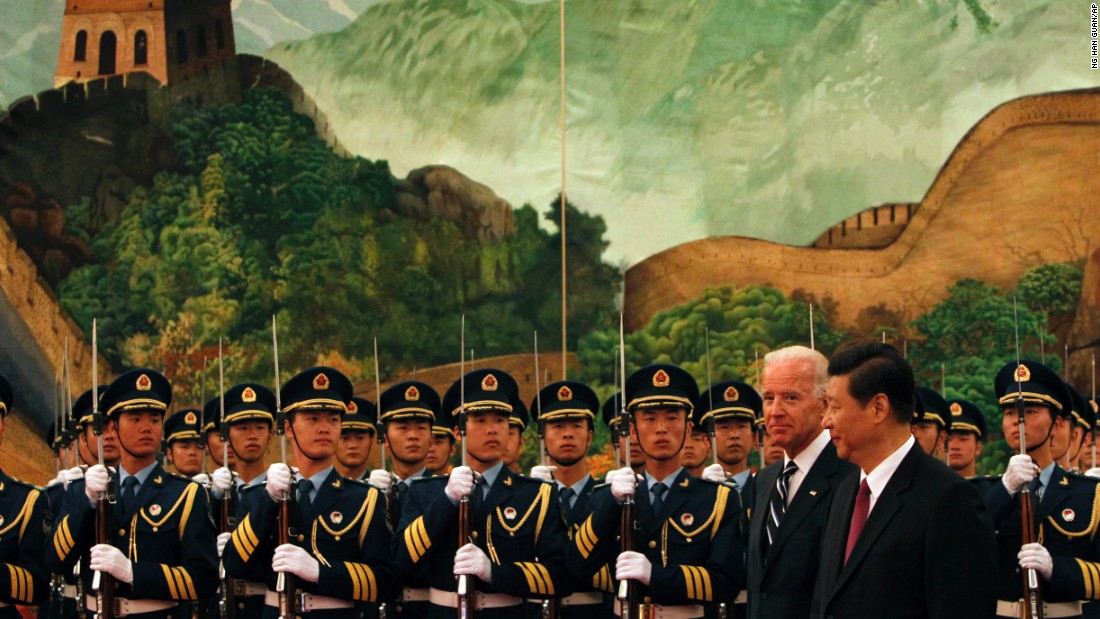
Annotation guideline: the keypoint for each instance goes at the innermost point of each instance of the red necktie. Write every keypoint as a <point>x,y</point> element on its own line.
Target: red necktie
<point>859,517</point>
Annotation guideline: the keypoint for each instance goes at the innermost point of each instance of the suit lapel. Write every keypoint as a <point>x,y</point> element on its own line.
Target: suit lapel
<point>677,495</point>
<point>1053,495</point>
<point>814,488</point>
<point>328,494</point>
<point>500,491</point>
<point>883,512</point>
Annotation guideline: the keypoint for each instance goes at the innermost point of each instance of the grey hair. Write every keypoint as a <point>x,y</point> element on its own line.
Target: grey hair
<point>796,354</point>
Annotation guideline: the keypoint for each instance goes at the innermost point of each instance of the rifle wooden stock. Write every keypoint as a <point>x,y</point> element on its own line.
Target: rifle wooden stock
<point>465,583</point>
<point>105,592</point>
<point>228,604</point>
<point>287,586</point>
<point>628,590</point>
<point>1033,593</point>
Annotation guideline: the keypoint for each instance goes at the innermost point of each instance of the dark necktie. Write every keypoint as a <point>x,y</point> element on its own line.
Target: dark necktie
<point>859,517</point>
<point>1036,488</point>
<point>777,505</point>
<point>129,493</point>
<point>305,487</point>
<point>658,489</point>
<point>476,494</point>
<point>567,495</point>
<point>399,493</point>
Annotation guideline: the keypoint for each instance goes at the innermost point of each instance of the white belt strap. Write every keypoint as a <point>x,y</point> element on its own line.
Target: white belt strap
<point>481,600</point>
<point>659,611</point>
<point>68,592</point>
<point>310,602</point>
<point>131,607</point>
<point>742,597</point>
<point>1051,610</point>
<point>247,589</point>
<point>409,594</point>
<point>582,598</point>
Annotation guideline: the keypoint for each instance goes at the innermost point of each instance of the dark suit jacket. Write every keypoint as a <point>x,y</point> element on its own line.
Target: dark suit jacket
<point>781,583</point>
<point>927,549</point>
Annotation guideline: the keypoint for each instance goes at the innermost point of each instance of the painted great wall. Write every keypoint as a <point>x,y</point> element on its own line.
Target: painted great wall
<point>1019,190</point>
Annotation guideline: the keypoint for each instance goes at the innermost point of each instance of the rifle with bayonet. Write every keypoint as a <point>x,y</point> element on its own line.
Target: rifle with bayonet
<point>465,584</point>
<point>103,584</point>
<point>286,585</point>
<point>628,589</point>
<point>227,605</point>
<point>1033,592</point>
<point>549,605</point>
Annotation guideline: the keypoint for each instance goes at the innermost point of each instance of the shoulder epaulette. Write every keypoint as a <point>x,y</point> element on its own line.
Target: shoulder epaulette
<point>422,480</point>
<point>532,479</point>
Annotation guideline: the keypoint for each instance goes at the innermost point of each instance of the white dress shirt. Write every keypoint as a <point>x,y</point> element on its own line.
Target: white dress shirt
<point>805,461</point>
<point>881,474</point>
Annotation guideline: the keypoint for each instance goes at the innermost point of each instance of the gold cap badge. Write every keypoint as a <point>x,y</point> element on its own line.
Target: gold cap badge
<point>412,394</point>
<point>565,394</point>
<point>320,381</point>
<point>731,394</point>
<point>353,407</point>
<point>1023,374</point>
<point>489,383</point>
<point>956,409</point>
<point>660,379</point>
<point>190,418</point>
<point>248,395</point>
<point>143,383</point>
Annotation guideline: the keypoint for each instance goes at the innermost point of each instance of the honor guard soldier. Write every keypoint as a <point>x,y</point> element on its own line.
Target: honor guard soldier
<point>1074,432</point>
<point>1067,558</point>
<point>515,547</point>
<point>25,521</point>
<point>932,422</point>
<point>184,442</point>
<point>1087,423</point>
<point>688,553</point>
<point>696,452</point>
<point>357,432</point>
<point>564,412</point>
<point>728,409</point>
<point>517,425</point>
<point>55,606</point>
<point>443,448</point>
<point>339,537</point>
<point>158,546</point>
<point>965,440</point>
<point>407,412</point>
<point>249,417</point>
<point>768,449</point>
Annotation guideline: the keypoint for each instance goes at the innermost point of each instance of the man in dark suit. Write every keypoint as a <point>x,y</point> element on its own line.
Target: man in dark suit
<point>902,530</point>
<point>792,495</point>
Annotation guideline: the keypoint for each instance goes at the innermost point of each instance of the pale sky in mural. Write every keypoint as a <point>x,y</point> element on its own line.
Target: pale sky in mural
<point>763,118</point>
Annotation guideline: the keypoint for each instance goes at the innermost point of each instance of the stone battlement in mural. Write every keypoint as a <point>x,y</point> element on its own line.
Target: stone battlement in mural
<point>1018,190</point>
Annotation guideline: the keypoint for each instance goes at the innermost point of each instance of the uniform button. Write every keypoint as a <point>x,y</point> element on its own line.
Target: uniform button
<point>648,600</point>
<point>301,538</point>
<point>337,537</point>
<point>474,534</point>
<point>652,544</point>
<point>122,532</point>
<point>763,595</point>
<point>240,605</point>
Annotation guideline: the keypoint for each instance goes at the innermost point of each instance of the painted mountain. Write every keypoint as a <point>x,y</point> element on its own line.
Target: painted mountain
<point>763,118</point>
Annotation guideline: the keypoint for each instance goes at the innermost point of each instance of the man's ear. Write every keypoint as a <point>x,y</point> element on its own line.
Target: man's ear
<point>879,407</point>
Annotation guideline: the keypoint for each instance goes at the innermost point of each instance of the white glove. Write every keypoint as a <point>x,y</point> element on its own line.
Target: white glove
<point>381,479</point>
<point>95,482</point>
<point>545,473</point>
<point>715,472</point>
<point>107,558</point>
<point>278,480</point>
<point>60,479</point>
<point>1021,470</point>
<point>1035,557</point>
<point>473,561</point>
<point>202,478</point>
<point>221,480</point>
<point>291,558</point>
<point>72,475</point>
<point>460,484</point>
<point>633,566</point>
<point>623,483</point>
<point>223,539</point>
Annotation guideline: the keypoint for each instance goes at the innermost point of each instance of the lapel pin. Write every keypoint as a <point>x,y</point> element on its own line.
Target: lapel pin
<point>154,510</point>
<point>686,519</point>
<point>1064,482</point>
<point>510,513</point>
<point>684,484</point>
<point>507,481</point>
<point>158,480</point>
<point>813,492</point>
<point>1068,515</point>
<point>336,517</point>
<point>336,484</point>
